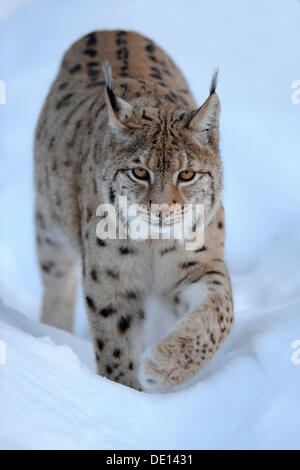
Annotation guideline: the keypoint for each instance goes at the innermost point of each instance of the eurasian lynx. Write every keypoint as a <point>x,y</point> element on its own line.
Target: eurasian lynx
<point>142,137</point>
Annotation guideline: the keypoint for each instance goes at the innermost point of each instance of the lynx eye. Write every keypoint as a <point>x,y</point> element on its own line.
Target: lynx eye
<point>186,175</point>
<point>141,174</point>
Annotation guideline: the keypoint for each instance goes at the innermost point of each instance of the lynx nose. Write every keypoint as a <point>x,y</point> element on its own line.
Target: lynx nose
<point>161,210</point>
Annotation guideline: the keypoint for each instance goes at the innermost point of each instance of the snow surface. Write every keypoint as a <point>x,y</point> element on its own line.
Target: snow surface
<point>249,396</point>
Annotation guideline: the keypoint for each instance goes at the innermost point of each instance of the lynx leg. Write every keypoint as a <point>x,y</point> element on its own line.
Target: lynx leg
<point>58,267</point>
<point>196,338</point>
<point>114,303</point>
<point>116,327</point>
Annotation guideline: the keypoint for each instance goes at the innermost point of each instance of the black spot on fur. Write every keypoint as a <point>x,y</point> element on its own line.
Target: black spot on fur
<point>100,344</point>
<point>149,48</point>
<point>122,53</point>
<point>112,196</point>
<point>47,267</point>
<point>92,64</point>
<point>63,85</point>
<point>117,353</point>
<point>126,250</point>
<point>90,52</point>
<point>112,273</point>
<point>188,264</point>
<point>220,225</point>
<point>124,323</point>
<point>167,250</point>
<point>94,275</point>
<point>90,303</point>
<point>120,41</point>
<point>106,311</point>
<point>156,76</point>
<point>212,338</point>
<point>130,294</point>
<point>91,39</point>
<point>75,69</point>
<point>101,242</point>
<point>130,365</point>
<point>108,369</point>
<point>97,357</point>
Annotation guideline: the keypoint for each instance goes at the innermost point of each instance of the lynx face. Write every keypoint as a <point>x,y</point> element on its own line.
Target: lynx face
<point>163,163</point>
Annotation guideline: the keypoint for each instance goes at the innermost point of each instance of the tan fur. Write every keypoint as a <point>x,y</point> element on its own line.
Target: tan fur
<point>86,141</point>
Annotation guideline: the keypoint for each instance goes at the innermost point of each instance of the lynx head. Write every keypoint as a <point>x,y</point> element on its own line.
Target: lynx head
<point>163,159</point>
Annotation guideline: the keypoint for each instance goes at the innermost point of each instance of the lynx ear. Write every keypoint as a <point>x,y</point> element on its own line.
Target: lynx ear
<point>118,109</point>
<point>205,120</point>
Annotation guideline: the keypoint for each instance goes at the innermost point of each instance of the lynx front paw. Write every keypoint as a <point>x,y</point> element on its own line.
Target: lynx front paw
<point>151,378</point>
<point>163,368</point>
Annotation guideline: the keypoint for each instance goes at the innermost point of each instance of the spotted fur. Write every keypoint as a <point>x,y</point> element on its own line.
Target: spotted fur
<point>95,125</point>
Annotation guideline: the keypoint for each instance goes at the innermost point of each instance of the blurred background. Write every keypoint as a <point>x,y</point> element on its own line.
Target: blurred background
<point>255,44</point>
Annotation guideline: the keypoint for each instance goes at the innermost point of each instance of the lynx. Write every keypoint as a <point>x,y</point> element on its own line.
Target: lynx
<point>120,121</point>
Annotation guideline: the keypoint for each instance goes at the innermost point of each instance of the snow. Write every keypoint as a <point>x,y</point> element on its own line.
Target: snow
<point>248,397</point>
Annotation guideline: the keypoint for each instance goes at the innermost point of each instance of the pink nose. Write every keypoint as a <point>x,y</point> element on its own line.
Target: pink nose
<point>165,210</point>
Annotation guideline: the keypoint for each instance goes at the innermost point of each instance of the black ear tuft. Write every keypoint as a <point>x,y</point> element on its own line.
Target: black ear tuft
<point>214,82</point>
<point>113,100</point>
<point>107,73</point>
<point>108,80</point>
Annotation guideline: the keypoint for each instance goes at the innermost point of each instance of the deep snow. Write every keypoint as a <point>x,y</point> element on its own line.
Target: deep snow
<point>249,396</point>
